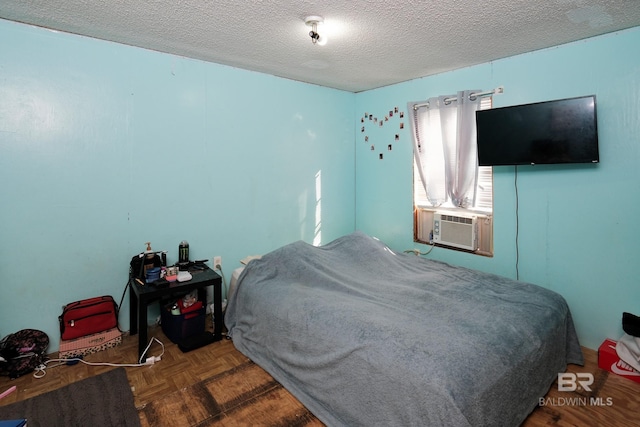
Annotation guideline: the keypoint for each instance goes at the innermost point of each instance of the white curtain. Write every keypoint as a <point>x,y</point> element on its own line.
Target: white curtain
<point>444,135</point>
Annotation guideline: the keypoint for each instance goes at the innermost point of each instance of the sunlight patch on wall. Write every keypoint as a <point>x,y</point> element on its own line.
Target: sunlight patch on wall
<point>302,211</point>
<point>317,239</point>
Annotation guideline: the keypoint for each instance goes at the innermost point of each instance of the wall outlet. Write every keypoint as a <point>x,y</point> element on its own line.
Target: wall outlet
<point>217,261</point>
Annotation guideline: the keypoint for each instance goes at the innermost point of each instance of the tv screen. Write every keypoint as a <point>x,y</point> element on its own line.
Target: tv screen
<point>551,132</point>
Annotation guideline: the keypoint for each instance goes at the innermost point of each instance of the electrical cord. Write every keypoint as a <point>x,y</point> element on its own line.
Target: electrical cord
<point>147,349</point>
<point>515,184</point>
<point>41,370</point>
<point>124,292</point>
<point>416,252</point>
<point>224,281</point>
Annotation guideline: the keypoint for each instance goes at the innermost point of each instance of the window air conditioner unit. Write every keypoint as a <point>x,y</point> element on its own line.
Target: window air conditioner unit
<point>459,231</point>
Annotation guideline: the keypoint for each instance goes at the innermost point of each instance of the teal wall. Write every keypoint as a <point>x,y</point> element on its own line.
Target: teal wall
<point>104,147</point>
<point>578,225</point>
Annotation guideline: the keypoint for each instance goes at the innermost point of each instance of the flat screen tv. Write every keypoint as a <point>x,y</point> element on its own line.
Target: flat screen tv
<point>551,132</point>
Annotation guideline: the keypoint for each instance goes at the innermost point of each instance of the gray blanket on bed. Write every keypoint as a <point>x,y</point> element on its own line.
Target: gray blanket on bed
<point>363,335</point>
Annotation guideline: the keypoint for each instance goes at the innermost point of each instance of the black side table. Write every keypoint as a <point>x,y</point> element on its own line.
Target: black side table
<point>141,295</point>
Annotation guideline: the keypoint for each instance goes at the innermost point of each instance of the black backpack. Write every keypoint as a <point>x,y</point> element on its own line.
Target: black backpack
<point>22,352</point>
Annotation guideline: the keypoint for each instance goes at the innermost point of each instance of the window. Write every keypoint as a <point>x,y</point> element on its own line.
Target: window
<point>469,229</point>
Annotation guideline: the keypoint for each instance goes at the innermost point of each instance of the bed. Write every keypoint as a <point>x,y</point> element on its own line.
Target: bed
<point>363,335</point>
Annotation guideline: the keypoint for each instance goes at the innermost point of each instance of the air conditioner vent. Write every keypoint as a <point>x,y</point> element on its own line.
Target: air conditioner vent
<point>456,231</point>
<point>469,231</point>
<point>460,219</point>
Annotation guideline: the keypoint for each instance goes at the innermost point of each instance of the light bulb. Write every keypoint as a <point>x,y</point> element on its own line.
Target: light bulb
<point>314,22</point>
<point>322,40</point>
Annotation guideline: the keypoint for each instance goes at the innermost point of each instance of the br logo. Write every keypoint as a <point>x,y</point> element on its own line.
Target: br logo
<point>569,381</point>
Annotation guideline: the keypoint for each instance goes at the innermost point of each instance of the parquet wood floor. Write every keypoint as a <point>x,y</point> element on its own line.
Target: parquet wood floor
<point>616,400</point>
<point>176,370</point>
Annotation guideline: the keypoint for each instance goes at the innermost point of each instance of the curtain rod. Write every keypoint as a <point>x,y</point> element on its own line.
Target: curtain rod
<point>498,90</point>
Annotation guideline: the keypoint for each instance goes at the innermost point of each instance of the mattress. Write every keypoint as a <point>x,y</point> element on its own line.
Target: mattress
<point>363,335</point>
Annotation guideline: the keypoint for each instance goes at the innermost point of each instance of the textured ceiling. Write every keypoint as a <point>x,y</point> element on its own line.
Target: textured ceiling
<point>370,43</point>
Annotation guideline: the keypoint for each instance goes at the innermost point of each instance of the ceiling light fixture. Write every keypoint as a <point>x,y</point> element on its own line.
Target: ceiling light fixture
<point>313,21</point>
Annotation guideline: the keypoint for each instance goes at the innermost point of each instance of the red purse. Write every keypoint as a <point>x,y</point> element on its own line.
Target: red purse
<point>87,317</point>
